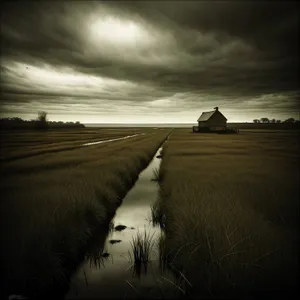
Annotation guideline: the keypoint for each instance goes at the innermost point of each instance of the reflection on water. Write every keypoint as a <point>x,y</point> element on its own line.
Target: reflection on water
<point>109,270</point>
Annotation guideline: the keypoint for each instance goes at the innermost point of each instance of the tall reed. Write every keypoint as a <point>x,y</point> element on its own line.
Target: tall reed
<point>141,247</point>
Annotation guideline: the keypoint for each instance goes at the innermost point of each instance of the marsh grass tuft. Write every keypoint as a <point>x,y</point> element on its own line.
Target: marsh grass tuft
<point>111,226</point>
<point>162,250</point>
<point>158,216</point>
<point>96,261</point>
<point>157,175</point>
<point>141,247</point>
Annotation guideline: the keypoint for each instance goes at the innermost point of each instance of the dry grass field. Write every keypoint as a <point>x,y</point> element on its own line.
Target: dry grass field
<point>25,143</point>
<point>52,202</point>
<point>230,208</point>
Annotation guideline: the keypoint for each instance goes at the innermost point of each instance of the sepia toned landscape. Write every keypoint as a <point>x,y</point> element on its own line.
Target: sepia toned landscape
<point>227,206</point>
<point>149,150</point>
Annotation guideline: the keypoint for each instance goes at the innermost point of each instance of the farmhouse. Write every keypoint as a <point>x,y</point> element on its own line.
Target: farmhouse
<point>211,121</point>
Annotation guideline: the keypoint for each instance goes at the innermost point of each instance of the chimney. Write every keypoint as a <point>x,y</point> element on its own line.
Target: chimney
<point>216,108</point>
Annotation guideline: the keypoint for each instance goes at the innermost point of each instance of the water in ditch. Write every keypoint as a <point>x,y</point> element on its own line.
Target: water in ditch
<point>108,270</point>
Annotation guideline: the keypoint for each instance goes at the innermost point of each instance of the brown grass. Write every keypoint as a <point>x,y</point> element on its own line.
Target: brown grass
<point>140,254</point>
<point>231,211</point>
<point>18,144</point>
<point>51,204</point>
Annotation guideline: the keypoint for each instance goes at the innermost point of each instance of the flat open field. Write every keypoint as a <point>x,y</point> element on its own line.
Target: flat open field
<point>25,143</point>
<point>228,205</point>
<point>230,208</point>
<point>51,202</point>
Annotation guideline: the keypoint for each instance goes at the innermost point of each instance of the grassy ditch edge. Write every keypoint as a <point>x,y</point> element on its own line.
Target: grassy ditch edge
<point>217,243</point>
<point>61,246</point>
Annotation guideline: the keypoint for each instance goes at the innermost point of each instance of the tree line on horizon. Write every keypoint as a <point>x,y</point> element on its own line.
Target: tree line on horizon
<point>40,123</point>
<point>273,121</point>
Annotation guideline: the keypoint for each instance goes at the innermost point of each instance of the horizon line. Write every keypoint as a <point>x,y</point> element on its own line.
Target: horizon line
<point>160,122</point>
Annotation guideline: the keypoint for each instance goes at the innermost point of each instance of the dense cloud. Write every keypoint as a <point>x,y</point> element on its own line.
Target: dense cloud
<point>103,60</point>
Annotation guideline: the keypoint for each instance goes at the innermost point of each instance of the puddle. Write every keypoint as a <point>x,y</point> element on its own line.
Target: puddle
<point>107,271</point>
<point>111,140</point>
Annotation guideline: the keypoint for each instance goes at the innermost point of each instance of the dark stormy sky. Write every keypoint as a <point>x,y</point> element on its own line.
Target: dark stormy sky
<point>155,61</point>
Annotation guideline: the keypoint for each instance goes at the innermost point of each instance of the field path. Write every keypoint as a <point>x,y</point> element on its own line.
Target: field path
<point>63,147</point>
<point>112,140</point>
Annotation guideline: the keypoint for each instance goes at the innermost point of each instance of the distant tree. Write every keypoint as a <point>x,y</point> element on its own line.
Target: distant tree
<point>265,120</point>
<point>41,121</point>
<point>273,121</point>
<point>289,120</point>
<point>255,121</point>
<point>278,121</point>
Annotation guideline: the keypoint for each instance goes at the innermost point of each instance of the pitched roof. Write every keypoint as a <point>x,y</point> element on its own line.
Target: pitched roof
<point>206,115</point>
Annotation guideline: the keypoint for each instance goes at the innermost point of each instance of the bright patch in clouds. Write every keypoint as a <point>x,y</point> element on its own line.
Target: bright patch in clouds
<point>115,31</point>
<point>129,40</point>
